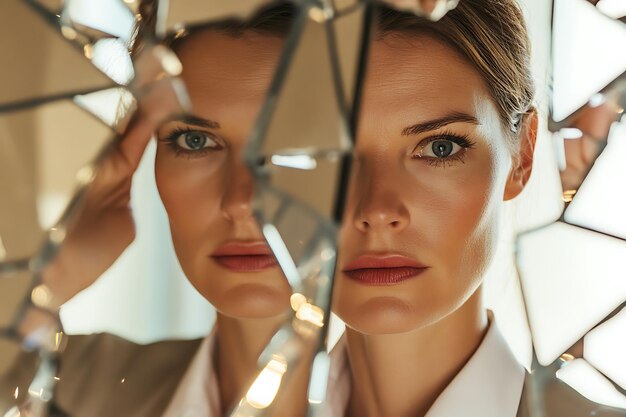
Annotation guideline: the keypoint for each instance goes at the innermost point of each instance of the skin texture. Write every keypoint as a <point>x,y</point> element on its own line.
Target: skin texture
<point>207,195</point>
<point>442,213</point>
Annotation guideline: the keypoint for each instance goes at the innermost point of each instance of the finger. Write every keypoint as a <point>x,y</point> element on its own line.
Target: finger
<point>135,140</point>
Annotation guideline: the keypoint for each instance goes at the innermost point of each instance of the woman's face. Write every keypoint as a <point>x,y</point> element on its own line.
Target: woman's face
<point>430,173</point>
<point>203,182</point>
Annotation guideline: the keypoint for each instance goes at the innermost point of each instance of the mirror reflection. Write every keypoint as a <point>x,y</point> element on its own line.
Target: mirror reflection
<point>372,151</point>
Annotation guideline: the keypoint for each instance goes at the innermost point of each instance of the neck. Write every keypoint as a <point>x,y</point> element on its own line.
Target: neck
<point>401,375</point>
<point>238,346</point>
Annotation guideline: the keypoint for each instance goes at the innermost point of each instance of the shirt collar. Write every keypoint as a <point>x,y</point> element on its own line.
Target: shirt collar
<point>489,385</point>
<point>198,392</point>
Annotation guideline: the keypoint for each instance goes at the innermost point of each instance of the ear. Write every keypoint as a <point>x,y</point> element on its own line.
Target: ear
<point>523,163</point>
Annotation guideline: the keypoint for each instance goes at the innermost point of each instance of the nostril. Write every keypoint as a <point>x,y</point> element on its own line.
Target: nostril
<point>395,224</point>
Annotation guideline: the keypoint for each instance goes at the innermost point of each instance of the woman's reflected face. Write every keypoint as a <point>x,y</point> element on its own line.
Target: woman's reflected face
<point>429,175</point>
<point>430,171</point>
<point>204,185</point>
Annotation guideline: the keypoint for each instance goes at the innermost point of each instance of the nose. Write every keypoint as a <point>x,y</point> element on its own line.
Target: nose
<point>238,190</point>
<point>381,206</point>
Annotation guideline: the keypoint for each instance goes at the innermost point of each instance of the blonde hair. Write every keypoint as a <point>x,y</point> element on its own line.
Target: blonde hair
<point>492,36</point>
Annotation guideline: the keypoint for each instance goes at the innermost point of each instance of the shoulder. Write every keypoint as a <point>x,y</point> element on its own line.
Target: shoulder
<point>104,375</point>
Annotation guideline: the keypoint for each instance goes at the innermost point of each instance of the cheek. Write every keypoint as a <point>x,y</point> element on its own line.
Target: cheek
<point>455,215</point>
<point>453,227</point>
<point>191,191</point>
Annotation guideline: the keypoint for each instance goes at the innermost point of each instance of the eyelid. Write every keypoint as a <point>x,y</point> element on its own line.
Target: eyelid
<point>173,135</point>
<point>460,139</point>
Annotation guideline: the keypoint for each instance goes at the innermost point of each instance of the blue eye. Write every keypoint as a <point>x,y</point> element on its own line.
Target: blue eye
<point>195,141</point>
<point>441,149</point>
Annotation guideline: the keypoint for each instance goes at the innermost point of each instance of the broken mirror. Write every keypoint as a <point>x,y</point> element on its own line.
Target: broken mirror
<point>573,289</point>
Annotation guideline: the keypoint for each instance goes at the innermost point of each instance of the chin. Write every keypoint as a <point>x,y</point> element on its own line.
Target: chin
<point>380,315</point>
<point>253,301</point>
<point>389,315</point>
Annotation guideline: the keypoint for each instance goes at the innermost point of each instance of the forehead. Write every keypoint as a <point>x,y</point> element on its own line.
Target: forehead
<point>420,77</point>
<point>222,70</point>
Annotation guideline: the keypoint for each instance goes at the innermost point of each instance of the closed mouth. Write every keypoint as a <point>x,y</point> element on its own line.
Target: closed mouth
<point>383,269</point>
<point>242,256</point>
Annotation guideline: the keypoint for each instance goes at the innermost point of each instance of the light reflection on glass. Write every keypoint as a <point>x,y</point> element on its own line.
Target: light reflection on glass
<point>265,387</point>
<point>294,161</point>
<point>605,348</point>
<point>311,313</point>
<point>585,379</point>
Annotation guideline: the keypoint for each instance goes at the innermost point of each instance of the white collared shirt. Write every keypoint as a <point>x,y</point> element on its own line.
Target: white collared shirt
<point>489,385</point>
<point>198,393</point>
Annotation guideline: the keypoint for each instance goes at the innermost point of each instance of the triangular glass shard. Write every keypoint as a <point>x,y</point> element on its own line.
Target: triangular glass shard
<point>301,139</point>
<point>590,383</point>
<point>103,29</point>
<point>586,55</point>
<point>106,18</point>
<point>605,346</point>
<point>44,151</point>
<point>571,280</point>
<point>42,64</point>
<point>598,204</point>
<point>110,106</point>
<point>176,15</point>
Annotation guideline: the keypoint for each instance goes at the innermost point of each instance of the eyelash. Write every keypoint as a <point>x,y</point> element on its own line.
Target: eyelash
<point>171,139</point>
<point>462,140</point>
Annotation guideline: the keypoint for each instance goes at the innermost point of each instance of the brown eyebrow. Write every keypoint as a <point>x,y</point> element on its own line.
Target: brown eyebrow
<point>190,119</point>
<point>439,123</point>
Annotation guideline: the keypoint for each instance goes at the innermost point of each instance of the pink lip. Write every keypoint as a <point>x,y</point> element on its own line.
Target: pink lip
<point>383,269</point>
<point>244,256</point>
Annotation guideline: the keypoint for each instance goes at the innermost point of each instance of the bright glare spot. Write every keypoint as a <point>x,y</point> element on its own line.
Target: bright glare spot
<point>88,51</point>
<point>3,250</point>
<point>318,382</point>
<point>69,33</point>
<point>571,133</point>
<point>58,340</point>
<point>319,14</point>
<point>272,235</point>
<point>169,61</point>
<point>597,100</point>
<point>264,389</point>
<point>568,195</point>
<point>614,8</point>
<point>41,296</point>
<point>16,393</point>
<point>111,56</point>
<point>311,313</point>
<point>585,379</point>
<point>294,161</point>
<point>297,300</point>
<point>327,254</point>
<point>56,378</point>
<point>85,175</point>
<point>57,234</point>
